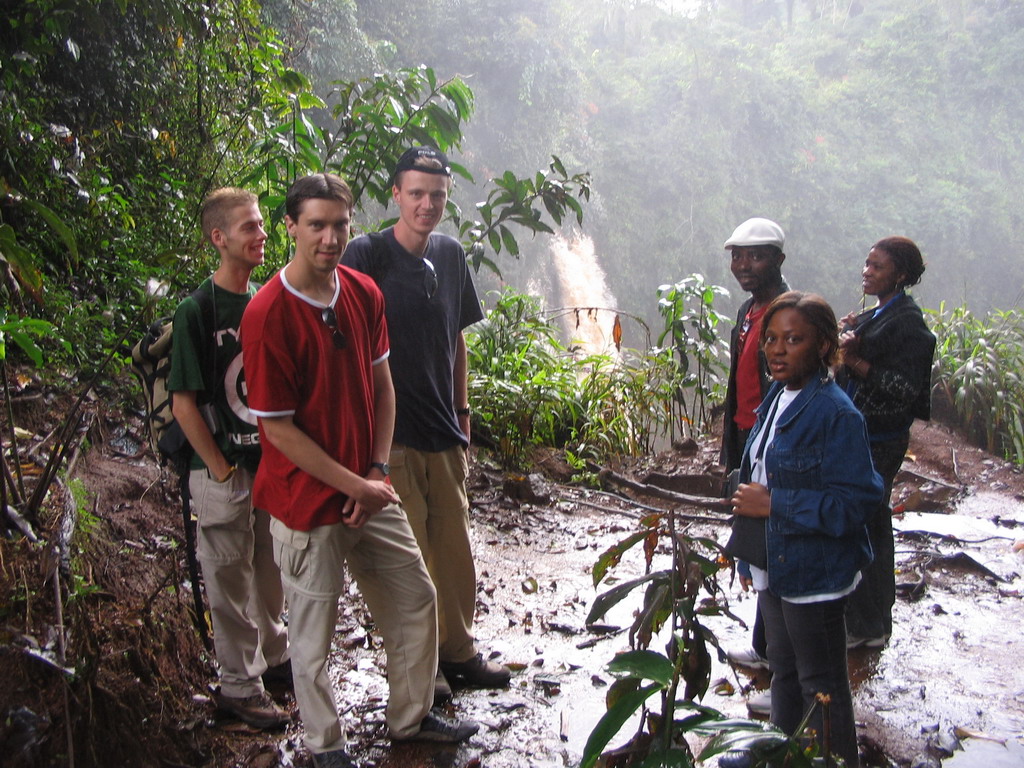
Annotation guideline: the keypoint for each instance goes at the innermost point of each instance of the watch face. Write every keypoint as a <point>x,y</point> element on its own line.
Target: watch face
<point>383,467</point>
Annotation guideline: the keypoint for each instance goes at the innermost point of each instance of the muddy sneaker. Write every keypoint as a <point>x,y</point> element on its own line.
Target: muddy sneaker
<point>747,658</point>
<point>476,673</point>
<point>336,758</point>
<point>760,703</point>
<point>442,691</point>
<point>279,674</point>
<point>437,727</point>
<point>259,711</point>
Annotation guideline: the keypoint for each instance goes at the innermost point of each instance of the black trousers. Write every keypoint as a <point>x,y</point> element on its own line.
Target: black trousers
<point>869,608</point>
<point>807,655</point>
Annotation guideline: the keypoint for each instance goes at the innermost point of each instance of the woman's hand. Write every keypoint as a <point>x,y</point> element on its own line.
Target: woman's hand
<point>752,500</point>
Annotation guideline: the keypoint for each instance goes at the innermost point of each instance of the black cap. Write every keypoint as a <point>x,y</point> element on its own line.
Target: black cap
<point>407,162</point>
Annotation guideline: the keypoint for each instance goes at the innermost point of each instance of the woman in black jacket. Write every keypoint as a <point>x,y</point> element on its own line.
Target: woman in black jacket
<point>886,369</point>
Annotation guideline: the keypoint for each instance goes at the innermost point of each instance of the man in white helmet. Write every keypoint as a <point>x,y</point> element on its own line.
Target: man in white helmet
<point>756,252</point>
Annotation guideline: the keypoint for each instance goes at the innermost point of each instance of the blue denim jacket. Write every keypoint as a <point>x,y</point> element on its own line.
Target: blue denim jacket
<point>823,489</point>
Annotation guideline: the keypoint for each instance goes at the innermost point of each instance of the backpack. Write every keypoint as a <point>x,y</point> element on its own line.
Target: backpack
<point>151,362</point>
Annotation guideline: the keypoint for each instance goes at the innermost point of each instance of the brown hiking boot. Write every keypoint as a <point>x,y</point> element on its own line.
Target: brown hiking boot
<point>259,711</point>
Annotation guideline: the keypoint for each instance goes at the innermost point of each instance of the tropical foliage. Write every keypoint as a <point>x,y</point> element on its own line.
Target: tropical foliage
<point>529,388</point>
<point>692,328</point>
<point>977,377</point>
<point>144,107</point>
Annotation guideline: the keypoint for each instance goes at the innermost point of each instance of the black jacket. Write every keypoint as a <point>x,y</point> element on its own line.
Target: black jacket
<point>900,348</point>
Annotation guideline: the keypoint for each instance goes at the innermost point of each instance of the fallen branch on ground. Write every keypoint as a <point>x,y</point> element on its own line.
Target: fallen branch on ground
<point>634,515</point>
<point>703,502</point>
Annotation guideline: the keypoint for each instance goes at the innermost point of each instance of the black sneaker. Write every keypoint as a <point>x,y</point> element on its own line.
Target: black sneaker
<point>259,711</point>
<point>437,727</point>
<point>336,758</point>
<point>476,673</point>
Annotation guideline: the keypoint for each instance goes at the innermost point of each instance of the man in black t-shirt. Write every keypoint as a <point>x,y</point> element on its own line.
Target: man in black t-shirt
<point>429,299</point>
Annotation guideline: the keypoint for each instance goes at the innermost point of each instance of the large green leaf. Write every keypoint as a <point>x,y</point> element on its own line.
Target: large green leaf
<point>63,230</point>
<point>611,556</point>
<point>612,721</point>
<point>607,600</point>
<point>646,665</point>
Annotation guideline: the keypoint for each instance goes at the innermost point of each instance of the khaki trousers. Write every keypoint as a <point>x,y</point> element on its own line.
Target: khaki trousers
<point>243,583</point>
<point>433,491</point>
<point>388,569</point>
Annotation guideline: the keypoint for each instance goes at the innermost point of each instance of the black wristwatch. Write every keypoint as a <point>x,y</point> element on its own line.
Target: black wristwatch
<point>383,466</point>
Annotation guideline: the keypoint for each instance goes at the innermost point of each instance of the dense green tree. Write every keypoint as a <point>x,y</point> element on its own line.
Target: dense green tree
<point>323,40</point>
<point>892,117</point>
<point>118,117</point>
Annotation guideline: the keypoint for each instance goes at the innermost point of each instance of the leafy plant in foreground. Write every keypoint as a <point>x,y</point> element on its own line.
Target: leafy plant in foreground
<point>674,601</point>
<point>516,379</point>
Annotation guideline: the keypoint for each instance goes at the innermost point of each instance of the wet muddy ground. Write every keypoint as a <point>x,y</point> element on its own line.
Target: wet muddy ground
<point>950,681</point>
<point>948,686</point>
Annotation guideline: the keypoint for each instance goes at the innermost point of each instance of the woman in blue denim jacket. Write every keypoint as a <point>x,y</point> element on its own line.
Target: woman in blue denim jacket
<point>807,473</point>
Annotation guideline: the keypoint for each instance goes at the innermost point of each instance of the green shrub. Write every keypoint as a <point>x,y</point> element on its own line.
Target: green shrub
<point>691,331</point>
<point>528,388</point>
<point>976,377</point>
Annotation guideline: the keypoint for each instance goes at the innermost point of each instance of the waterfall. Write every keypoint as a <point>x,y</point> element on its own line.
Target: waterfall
<point>589,310</point>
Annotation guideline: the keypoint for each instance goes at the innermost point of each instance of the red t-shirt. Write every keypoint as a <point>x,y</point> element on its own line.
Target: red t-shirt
<point>292,367</point>
<point>748,377</point>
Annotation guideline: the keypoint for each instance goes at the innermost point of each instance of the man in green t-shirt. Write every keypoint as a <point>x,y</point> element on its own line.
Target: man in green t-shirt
<point>243,583</point>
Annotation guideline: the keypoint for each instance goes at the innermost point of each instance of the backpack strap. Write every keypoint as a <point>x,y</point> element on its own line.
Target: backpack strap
<point>380,257</point>
<point>208,315</point>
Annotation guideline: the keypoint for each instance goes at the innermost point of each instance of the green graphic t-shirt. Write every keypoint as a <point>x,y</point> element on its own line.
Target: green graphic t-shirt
<point>219,377</point>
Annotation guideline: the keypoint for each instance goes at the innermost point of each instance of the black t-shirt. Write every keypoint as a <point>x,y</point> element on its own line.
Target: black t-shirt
<point>423,330</point>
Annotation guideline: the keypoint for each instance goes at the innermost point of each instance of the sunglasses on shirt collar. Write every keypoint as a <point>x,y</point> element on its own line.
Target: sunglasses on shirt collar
<point>331,321</point>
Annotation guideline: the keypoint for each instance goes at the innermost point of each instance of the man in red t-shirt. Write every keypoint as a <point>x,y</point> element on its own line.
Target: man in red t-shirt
<point>756,251</point>
<point>315,348</point>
